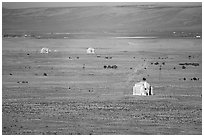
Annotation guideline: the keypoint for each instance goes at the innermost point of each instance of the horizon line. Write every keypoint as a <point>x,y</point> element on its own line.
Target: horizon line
<point>28,5</point>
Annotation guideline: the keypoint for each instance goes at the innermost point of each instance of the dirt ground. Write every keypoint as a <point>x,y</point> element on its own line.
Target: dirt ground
<point>53,94</point>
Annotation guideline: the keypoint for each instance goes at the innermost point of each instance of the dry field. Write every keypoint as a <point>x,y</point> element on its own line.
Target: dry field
<point>53,94</point>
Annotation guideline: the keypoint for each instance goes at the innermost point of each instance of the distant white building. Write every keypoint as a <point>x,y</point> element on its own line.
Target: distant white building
<point>143,89</point>
<point>198,36</point>
<point>45,50</point>
<point>90,51</point>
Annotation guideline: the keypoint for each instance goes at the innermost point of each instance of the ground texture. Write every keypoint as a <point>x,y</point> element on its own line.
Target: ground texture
<point>54,94</point>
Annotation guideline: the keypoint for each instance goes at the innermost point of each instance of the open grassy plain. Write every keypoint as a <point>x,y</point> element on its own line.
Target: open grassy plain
<point>53,94</point>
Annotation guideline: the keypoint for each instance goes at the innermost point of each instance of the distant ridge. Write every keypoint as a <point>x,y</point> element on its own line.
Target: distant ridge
<point>127,19</point>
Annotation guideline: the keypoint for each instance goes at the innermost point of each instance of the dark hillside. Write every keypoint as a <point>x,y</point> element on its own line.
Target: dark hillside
<point>141,19</point>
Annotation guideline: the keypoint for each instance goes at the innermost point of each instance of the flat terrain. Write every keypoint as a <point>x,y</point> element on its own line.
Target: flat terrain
<point>53,94</point>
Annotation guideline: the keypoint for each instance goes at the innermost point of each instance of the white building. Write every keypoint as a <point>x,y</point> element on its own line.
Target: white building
<point>45,50</point>
<point>198,36</point>
<point>142,89</point>
<point>90,51</point>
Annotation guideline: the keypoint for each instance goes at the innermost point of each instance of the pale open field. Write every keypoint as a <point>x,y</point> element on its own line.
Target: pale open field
<point>94,100</point>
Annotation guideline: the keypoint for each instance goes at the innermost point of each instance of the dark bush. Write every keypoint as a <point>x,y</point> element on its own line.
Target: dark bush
<point>194,78</point>
<point>114,66</point>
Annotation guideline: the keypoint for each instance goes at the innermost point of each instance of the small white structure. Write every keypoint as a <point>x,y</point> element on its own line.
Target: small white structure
<point>45,50</point>
<point>198,36</point>
<point>90,51</point>
<point>143,89</point>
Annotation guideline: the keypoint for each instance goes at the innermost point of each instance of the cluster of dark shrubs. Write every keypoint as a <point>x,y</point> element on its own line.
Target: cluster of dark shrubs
<point>190,56</point>
<point>193,64</point>
<point>106,57</point>
<point>12,35</point>
<point>190,79</point>
<point>183,67</point>
<point>194,78</point>
<point>157,63</point>
<point>22,81</point>
<point>91,90</point>
<point>163,58</point>
<point>109,66</point>
<point>71,57</point>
